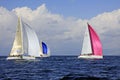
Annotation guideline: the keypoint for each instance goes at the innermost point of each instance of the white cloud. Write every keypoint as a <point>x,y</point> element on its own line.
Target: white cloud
<point>108,27</point>
<point>62,34</point>
<point>7,24</point>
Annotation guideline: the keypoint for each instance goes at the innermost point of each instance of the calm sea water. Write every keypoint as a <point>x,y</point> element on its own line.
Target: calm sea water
<point>61,68</point>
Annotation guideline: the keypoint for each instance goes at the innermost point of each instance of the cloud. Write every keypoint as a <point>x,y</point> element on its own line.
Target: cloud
<point>108,26</point>
<point>63,35</point>
<point>7,23</point>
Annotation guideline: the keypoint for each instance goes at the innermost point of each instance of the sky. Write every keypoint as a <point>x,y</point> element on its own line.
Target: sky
<point>61,23</point>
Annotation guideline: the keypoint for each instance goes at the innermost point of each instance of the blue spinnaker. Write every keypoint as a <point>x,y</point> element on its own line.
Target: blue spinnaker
<point>44,48</point>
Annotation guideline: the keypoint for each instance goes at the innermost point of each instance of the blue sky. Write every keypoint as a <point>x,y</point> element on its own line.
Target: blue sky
<point>61,23</point>
<point>84,9</point>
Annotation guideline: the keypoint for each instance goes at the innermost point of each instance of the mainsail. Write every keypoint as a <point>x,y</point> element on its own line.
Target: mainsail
<point>86,49</point>
<point>18,43</point>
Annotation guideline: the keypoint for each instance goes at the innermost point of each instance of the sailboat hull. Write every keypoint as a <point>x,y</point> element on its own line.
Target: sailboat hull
<point>28,57</point>
<point>20,57</point>
<point>43,55</point>
<point>90,57</point>
<point>13,58</point>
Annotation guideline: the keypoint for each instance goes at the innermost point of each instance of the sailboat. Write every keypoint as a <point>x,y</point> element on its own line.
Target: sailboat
<point>45,51</point>
<point>92,47</point>
<point>26,44</point>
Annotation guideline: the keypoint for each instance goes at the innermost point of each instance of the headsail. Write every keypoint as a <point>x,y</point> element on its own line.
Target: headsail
<point>32,41</point>
<point>44,48</point>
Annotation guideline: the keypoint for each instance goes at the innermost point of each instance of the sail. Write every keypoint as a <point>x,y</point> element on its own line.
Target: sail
<point>41,52</point>
<point>25,39</point>
<point>25,43</point>
<point>95,42</point>
<point>17,44</point>
<point>33,47</point>
<point>44,48</point>
<point>86,48</point>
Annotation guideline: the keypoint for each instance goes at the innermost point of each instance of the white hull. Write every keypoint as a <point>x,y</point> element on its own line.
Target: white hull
<point>90,57</point>
<point>21,58</point>
<point>28,57</point>
<point>13,58</point>
<point>44,55</point>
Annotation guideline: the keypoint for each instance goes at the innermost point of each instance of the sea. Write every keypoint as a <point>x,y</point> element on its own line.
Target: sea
<point>61,68</point>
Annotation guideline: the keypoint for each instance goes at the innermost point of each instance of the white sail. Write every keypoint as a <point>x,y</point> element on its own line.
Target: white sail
<point>18,43</point>
<point>26,44</point>
<point>33,42</point>
<point>86,49</point>
<point>25,39</point>
<point>41,53</point>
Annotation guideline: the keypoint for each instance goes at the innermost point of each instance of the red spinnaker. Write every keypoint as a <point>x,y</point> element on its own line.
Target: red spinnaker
<point>95,42</point>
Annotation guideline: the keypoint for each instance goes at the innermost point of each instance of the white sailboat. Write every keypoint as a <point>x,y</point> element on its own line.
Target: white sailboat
<point>26,43</point>
<point>92,47</point>
<point>44,50</point>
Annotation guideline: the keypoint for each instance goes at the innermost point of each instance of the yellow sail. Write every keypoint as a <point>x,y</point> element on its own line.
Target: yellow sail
<point>17,44</point>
